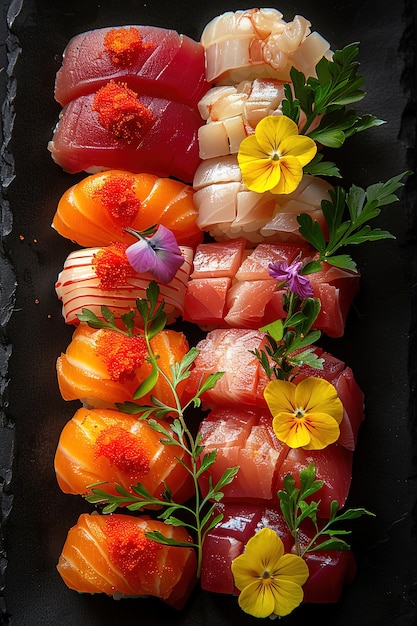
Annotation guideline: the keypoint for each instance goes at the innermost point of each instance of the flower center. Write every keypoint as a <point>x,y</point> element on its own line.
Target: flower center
<point>275,156</point>
<point>266,575</point>
<point>299,413</point>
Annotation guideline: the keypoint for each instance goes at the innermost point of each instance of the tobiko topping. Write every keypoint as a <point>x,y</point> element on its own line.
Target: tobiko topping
<point>124,450</point>
<point>123,44</point>
<point>129,548</point>
<point>117,194</point>
<point>112,266</point>
<point>121,354</point>
<point>121,112</point>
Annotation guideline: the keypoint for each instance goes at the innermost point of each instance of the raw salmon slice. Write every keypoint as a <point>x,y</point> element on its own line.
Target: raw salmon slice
<point>84,375</point>
<point>110,554</point>
<point>96,210</point>
<point>99,445</point>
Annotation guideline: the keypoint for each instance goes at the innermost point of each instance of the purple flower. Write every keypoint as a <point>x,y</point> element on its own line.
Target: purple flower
<point>289,274</point>
<point>159,254</point>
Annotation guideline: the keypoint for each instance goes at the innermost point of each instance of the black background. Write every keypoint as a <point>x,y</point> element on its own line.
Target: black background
<point>377,344</point>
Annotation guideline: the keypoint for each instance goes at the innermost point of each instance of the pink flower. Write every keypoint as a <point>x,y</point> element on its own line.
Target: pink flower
<point>158,254</point>
<point>290,275</point>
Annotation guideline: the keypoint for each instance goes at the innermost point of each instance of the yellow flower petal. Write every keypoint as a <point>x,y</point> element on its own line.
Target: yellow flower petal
<point>293,567</point>
<point>301,147</point>
<point>269,580</point>
<point>257,600</point>
<point>261,175</point>
<point>319,396</point>
<point>280,396</point>
<point>262,552</point>
<point>272,130</point>
<point>323,431</point>
<point>291,430</point>
<point>291,175</point>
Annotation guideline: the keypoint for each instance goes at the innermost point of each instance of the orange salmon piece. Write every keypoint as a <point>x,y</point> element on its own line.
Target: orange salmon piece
<point>103,445</point>
<point>110,554</point>
<point>95,211</point>
<point>83,373</point>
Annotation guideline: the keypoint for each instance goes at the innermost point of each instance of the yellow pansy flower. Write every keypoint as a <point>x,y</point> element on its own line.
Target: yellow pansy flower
<point>269,580</point>
<point>306,415</point>
<point>273,158</point>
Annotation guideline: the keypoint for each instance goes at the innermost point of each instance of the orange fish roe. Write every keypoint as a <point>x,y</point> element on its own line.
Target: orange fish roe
<point>121,112</point>
<point>124,450</point>
<point>129,549</point>
<point>123,44</point>
<point>122,355</point>
<point>112,266</point>
<point>118,195</point>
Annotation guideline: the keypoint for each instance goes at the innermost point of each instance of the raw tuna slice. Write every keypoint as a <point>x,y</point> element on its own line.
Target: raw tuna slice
<point>164,129</point>
<point>329,570</point>
<point>253,298</point>
<point>148,59</point>
<point>244,380</point>
<point>245,438</point>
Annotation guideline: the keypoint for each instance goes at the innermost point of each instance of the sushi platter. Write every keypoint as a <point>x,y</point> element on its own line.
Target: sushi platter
<point>75,134</point>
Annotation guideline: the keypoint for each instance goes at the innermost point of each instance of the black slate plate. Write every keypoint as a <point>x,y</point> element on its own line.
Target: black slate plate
<point>378,343</point>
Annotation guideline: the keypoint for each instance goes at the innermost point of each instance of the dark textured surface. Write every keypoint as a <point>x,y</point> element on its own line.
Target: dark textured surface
<point>379,333</point>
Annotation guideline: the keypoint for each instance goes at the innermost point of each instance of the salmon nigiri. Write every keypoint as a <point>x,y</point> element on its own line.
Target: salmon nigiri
<point>111,554</point>
<point>96,210</point>
<point>100,445</point>
<point>103,367</point>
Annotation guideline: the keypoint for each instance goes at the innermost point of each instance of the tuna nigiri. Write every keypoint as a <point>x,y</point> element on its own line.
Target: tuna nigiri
<point>119,128</point>
<point>244,437</point>
<point>111,554</point>
<point>96,210</point>
<point>329,570</point>
<point>244,380</point>
<point>96,277</point>
<point>259,43</point>
<point>148,59</point>
<point>99,445</point>
<point>250,297</point>
<point>227,209</point>
<point>103,367</point>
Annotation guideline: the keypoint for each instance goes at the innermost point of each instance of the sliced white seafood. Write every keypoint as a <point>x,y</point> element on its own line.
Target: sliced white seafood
<point>259,43</point>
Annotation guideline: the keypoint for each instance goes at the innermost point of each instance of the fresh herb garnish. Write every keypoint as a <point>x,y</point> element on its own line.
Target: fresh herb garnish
<point>289,341</point>
<point>363,206</point>
<point>198,516</point>
<point>295,509</point>
<point>326,97</point>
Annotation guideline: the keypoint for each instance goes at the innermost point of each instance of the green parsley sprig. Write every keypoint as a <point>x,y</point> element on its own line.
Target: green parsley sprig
<point>362,206</point>
<point>197,516</point>
<point>326,96</point>
<point>295,509</point>
<point>289,341</point>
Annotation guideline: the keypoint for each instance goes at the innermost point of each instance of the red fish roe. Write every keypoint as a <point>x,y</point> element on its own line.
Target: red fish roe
<point>129,549</point>
<point>123,44</point>
<point>121,354</point>
<point>117,194</point>
<point>112,266</point>
<point>121,112</point>
<point>124,450</point>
